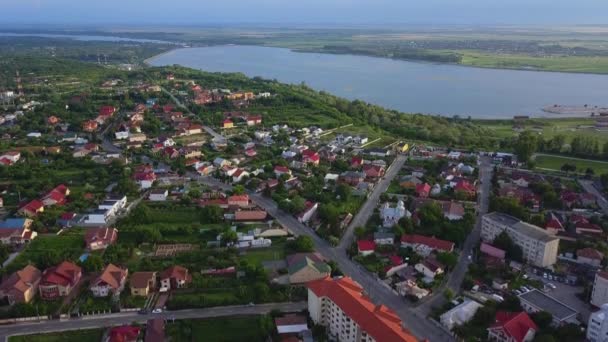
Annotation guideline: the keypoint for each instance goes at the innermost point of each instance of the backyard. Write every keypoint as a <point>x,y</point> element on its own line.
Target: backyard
<point>240,328</point>
<point>64,336</point>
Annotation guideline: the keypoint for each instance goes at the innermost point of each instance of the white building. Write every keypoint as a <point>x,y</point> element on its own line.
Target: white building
<point>538,246</point>
<point>121,135</point>
<point>460,314</point>
<point>599,295</point>
<point>597,327</point>
<point>114,204</point>
<point>158,195</point>
<point>391,216</point>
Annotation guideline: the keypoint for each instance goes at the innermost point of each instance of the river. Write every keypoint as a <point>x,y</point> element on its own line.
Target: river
<point>413,87</point>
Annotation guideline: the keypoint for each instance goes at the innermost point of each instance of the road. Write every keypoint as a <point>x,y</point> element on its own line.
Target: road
<point>601,200</point>
<point>456,276</point>
<point>207,129</point>
<point>366,211</point>
<point>380,293</point>
<point>129,317</point>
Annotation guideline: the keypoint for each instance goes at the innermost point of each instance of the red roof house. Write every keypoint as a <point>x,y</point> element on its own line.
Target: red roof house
<point>100,238</point>
<point>124,333</point>
<point>423,190</point>
<point>310,157</point>
<point>366,247</point>
<point>373,171</point>
<point>239,200</point>
<point>58,281</point>
<point>465,187</point>
<point>426,244</point>
<point>512,326</point>
<point>32,208</point>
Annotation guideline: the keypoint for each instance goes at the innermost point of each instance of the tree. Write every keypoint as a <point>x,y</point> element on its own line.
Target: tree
<point>543,319</point>
<point>302,244</point>
<point>360,233</point>
<point>504,242</point>
<point>448,259</point>
<point>229,236</point>
<point>94,263</point>
<point>511,304</point>
<point>330,213</point>
<point>568,168</point>
<point>344,191</point>
<point>238,189</point>
<point>544,338</point>
<point>211,214</point>
<point>526,145</point>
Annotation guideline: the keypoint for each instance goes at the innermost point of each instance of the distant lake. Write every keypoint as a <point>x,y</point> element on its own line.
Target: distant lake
<point>412,87</point>
<point>83,37</point>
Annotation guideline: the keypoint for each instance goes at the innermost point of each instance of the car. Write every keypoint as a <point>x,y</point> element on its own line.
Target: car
<point>156,311</point>
<point>517,292</point>
<point>551,285</point>
<point>545,275</point>
<point>143,311</point>
<point>525,276</point>
<point>251,304</point>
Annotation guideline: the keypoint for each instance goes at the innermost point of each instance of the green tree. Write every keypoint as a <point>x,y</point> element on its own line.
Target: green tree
<point>543,319</point>
<point>526,145</point>
<point>448,259</point>
<point>94,263</point>
<point>504,242</point>
<point>302,244</point>
<point>238,189</point>
<point>211,214</point>
<point>229,236</point>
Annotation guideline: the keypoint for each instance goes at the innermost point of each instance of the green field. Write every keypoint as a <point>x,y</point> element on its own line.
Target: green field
<point>64,336</point>
<point>597,64</point>
<point>275,252</point>
<point>246,328</point>
<point>556,162</point>
<point>48,250</point>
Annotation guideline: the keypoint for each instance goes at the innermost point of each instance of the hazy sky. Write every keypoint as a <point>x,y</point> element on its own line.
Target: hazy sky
<point>188,12</point>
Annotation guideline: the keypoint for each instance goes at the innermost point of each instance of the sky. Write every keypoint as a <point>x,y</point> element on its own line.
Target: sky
<point>294,12</point>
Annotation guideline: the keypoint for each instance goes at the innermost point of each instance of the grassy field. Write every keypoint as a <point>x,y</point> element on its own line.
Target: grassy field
<point>67,246</point>
<point>64,336</point>
<point>275,252</point>
<point>556,162</point>
<point>597,65</point>
<point>548,127</point>
<point>248,328</point>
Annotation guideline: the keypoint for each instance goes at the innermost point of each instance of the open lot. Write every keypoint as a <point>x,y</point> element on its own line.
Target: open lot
<point>64,336</point>
<point>247,328</point>
<point>556,162</point>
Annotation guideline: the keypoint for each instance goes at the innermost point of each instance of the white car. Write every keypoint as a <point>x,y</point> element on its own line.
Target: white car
<point>551,285</point>
<point>157,311</point>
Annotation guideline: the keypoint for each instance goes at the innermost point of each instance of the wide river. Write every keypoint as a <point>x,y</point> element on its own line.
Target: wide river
<point>413,87</point>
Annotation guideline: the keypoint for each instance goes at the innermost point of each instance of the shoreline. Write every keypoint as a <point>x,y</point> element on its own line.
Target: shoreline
<point>550,115</point>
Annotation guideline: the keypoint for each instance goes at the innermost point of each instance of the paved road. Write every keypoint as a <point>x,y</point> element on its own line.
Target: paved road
<point>366,211</point>
<point>207,129</point>
<point>456,276</point>
<point>601,200</point>
<point>129,317</point>
<point>376,290</point>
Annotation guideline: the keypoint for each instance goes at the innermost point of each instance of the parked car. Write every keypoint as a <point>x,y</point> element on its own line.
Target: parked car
<point>157,311</point>
<point>551,285</point>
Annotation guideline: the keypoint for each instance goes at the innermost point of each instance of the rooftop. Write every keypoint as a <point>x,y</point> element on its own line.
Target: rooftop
<point>556,308</point>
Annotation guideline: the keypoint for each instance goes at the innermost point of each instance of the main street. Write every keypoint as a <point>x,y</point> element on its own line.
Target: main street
<point>98,321</point>
<point>375,288</point>
<point>601,200</point>
<point>367,209</point>
<point>456,276</point>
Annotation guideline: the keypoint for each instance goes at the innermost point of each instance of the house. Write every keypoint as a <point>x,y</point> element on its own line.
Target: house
<point>409,182</point>
<point>21,286</point>
<point>465,187</point>
<point>89,126</point>
<point>310,157</point>
<point>460,314</point>
<point>410,288</point>
<point>352,178</point>
<point>424,245</point>
<point>221,162</point>
<point>429,267</point>
<point>52,120</point>
<point>589,256</point>
<point>281,170</point>
<point>305,267</point>
<point>384,238</point>
<point>32,208</point>
<point>111,281</point>
<point>100,238</point>
<point>16,231</point>
<point>512,327</point>
<point>391,216</point>
<point>238,175</point>
<point>373,172</point>
<point>124,333</point>
<point>158,195</point>
<point>356,162</point>
<point>309,211</point>
<point>453,211</point>
<point>291,324</point>
<point>366,247</point>
<point>492,252</point>
<point>121,135</point>
<point>144,176</point>
<point>536,301</point>
<point>142,283</point>
<point>250,153</point>
<point>57,196</point>
<point>175,277</point>
<point>227,123</point>
<point>241,201</point>
<point>59,281</point>
<point>155,330</point>
<point>253,120</point>
<point>250,215</point>
<point>423,190</point>
<point>12,156</point>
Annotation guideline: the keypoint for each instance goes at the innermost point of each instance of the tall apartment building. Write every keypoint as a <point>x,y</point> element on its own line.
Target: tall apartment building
<point>599,295</point>
<point>597,327</point>
<point>349,316</point>
<point>539,247</point>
